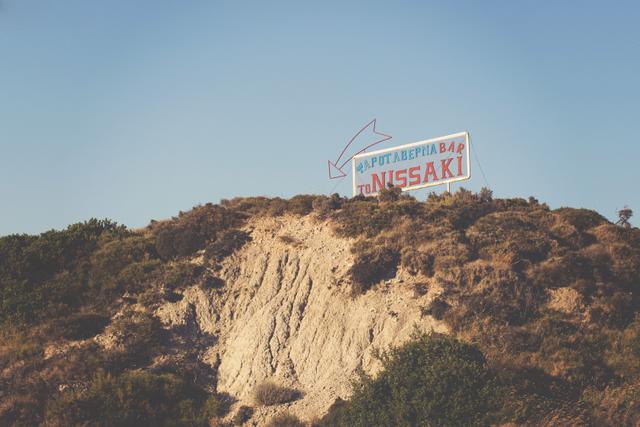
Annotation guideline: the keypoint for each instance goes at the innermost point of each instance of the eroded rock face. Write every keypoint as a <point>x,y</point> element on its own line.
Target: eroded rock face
<point>286,314</point>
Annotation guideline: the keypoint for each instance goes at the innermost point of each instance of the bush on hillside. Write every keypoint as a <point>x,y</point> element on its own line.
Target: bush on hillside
<point>38,258</point>
<point>229,242</point>
<point>432,380</point>
<point>324,206</point>
<point>79,326</point>
<point>137,338</point>
<point>134,399</point>
<point>571,267</point>
<point>581,219</point>
<point>367,216</point>
<point>191,230</point>
<point>485,195</point>
<point>570,352</point>
<point>416,261</point>
<point>389,193</point>
<point>179,275</point>
<point>372,266</point>
<point>269,393</point>
<point>501,296</point>
<point>123,265</point>
<point>625,354</point>
<point>509,237</point>
<point>16,344</point>
<point>301,204</point>
<point>44,276</point>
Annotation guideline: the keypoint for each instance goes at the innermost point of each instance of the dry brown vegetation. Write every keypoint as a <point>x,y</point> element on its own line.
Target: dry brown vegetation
<point>499,261</point>
<point>549,297</point>
<point>269,393</point>
<point>285,420</point>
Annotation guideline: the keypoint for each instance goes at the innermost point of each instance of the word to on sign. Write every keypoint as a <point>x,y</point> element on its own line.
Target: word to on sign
<point>420,164</point>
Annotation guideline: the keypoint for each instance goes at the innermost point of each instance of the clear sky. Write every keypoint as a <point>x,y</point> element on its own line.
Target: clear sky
<point>134,110</point>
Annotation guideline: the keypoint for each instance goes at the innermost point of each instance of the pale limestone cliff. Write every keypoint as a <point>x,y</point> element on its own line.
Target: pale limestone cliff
<point>286,314</point>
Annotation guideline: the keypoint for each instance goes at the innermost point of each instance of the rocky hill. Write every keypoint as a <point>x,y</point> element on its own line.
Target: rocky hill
<point>329,311</point>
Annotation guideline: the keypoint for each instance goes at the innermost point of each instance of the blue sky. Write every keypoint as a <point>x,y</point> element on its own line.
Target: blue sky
<point>134,110</point>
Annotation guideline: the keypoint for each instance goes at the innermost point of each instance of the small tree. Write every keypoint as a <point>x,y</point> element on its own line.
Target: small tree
<point>486,195</point>
<point>624,215</point>
<point>390,193</point>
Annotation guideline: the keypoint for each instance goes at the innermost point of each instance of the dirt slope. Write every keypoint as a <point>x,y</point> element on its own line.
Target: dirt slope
<point>285,314</point>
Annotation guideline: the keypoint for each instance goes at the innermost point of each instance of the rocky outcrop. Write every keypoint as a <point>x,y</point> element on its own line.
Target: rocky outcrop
<point>286,315</point>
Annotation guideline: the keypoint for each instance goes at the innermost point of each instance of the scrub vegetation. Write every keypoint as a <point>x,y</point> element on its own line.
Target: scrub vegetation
<point>268,394</point>
<point>502,265</point>
<point>543,305</point>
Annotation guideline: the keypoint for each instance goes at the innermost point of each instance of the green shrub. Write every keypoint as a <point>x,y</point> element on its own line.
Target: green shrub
<point>433,380</point>
<point>581,219</point>
<point>179,275</point>
<point>123,264</point>
<point>366,216</point>
<point>211,282</point>
<point>134,399</point>
<point>45,275</point>
<point>624,356</point>
<point>324,206</point>
<point>136,277</point>
<point>138,337</point>
<point>192,230</point>
<point>255,206</point>
<point>229,242</point>
<point>485,195</point>
<point>176,242</point>
<point>79,326</point>
<point>573,266</point>
<point>509,237</point>
<point>372,266</point>
<point>502,297</point>
<point>38,258</point>
<point>301,204</point>
<point>572,353</point>
<point>390,193</point>
<point>269,393</point>
<point>417,261</point>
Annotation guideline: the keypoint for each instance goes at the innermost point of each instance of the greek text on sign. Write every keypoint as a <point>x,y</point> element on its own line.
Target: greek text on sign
<point>412,166</point>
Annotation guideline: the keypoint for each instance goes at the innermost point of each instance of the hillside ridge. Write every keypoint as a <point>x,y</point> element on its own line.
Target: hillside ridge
<point>309,294</point>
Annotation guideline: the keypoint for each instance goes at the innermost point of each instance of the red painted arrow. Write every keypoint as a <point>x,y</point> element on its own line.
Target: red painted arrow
<point>336,171</point>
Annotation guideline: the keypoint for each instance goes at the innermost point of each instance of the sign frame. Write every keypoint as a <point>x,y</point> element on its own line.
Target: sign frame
<point>467,140</point>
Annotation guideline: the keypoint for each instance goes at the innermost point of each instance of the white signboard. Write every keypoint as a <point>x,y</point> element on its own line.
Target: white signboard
<point>420,164</point>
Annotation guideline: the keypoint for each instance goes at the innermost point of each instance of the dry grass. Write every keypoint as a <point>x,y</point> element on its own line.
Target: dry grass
<point>285,420</point>
<point>269,393</point>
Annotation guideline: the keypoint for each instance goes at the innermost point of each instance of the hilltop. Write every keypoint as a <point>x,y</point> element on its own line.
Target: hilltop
<point>462,309</point>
